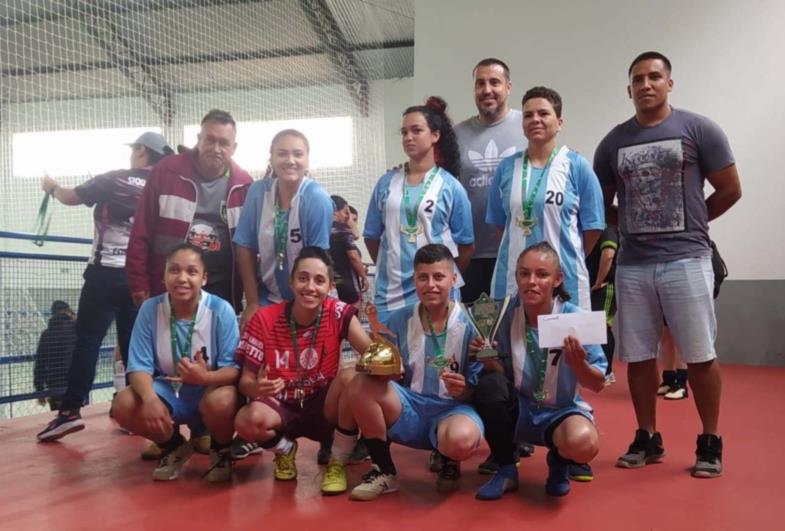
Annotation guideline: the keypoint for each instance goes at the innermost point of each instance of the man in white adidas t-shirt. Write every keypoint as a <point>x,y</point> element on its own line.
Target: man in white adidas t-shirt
<point>484,140</point>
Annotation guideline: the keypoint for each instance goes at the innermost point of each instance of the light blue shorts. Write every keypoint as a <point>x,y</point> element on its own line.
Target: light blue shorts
<point>420,418</point>
<point>679,292</point>
<point>535,425</point>
<point>184,410</point>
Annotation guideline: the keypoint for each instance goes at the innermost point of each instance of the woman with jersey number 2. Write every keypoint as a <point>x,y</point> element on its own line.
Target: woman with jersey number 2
<point>418,204</point>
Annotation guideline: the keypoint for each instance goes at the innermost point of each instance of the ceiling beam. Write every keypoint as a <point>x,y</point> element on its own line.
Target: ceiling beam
<point>338,49</point>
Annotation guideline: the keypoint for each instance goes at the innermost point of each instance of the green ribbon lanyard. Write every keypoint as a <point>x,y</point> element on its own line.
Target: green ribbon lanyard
<point>42,222</point>
<point>299,393</point>
<point>540,363</point>
<point>527,222</point>
<point>438,361</point>
<point>412,229</point>
<point>180,351</point>
<point>281,230</point>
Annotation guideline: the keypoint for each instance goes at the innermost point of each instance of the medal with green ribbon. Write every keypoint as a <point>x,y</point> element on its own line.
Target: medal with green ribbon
<point>412,228</point>
<point>527,222</point>
<point>539,363</point>
<point>299,392</point>
<point>180,351</point>
<point>281,230</point>
<point>438,361</point>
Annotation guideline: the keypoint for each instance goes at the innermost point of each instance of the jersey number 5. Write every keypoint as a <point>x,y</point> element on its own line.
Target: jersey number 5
<point>295,236</point>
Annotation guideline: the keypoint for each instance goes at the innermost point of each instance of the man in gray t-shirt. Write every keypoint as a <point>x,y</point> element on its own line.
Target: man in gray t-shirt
<point>656,163</point>
<point>484,140</point>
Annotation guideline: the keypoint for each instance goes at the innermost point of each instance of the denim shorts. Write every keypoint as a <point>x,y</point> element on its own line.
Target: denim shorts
<point>681,293</point>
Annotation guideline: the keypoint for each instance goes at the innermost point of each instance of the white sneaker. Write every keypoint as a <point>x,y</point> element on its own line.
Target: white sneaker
<point>663,388</point>
<point>172,462</point>
<point>374,484</point>
<point>676,393</point>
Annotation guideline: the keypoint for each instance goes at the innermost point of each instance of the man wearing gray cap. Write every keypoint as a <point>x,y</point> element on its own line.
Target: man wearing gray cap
<point>105,295</point>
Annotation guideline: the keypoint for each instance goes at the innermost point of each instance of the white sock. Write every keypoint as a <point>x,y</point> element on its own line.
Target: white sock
<point>342,446</point>
<point>284,446</point>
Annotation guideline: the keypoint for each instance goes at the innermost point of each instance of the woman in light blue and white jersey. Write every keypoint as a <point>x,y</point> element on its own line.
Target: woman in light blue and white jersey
<point>428,409</point>
<point>280,216</point>
<point>545,193</point>
<point>418,204</point>
<point>531,394</point>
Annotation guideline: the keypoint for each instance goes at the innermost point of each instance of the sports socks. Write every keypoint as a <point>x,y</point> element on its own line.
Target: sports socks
<point>379,451</point>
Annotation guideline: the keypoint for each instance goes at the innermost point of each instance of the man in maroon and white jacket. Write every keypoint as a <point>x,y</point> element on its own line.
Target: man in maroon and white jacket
<point>194,197</point>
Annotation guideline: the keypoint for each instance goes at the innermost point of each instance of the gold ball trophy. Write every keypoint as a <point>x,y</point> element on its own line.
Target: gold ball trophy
<point>382,357</point>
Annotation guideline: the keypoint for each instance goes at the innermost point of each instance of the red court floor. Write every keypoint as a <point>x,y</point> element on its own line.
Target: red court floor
<point>94,479</point>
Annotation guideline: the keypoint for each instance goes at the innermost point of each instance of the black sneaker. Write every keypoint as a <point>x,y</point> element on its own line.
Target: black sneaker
<point>435,461</point>
<point>645,449</point>
<point>360,452</point>
<point>63,424</point>
<point>489,467</point>
<point>525,450</point>
<point>324,453</point>
<point>708,462</point>
<point>241,449</point>
<point>449,476</point>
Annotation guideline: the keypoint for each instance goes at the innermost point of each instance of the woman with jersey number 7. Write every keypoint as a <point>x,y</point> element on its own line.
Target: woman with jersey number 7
<point>530,394</point>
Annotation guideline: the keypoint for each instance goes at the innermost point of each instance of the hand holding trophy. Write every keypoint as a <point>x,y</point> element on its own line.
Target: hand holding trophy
<point>382,357</point>
<point>486,315</point>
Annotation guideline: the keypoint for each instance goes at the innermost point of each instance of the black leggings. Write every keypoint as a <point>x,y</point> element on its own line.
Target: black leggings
<point>496,401</point>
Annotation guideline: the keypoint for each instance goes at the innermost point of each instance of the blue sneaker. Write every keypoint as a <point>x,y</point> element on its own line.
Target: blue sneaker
<point>505,480</point>
<point>558,482</point>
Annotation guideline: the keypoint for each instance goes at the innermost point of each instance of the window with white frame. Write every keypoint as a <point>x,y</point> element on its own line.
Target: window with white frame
<point>73,152</point>
<point>330,139</point>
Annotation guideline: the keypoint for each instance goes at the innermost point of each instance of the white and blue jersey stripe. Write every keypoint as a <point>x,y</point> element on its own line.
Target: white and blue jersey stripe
<point>150,350</point>
<point>561,385</point>
<point>567,204</point>
<point>444,215</point>
<point>417,348</point>
<point>310,220</point>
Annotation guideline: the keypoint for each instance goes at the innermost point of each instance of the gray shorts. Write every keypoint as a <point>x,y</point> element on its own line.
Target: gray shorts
<point>681,292</point>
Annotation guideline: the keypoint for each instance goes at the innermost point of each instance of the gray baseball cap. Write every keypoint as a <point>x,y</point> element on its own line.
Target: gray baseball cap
<point>152,141</point>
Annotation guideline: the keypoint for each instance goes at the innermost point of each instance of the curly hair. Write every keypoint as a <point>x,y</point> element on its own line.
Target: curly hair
<point>446,152</point>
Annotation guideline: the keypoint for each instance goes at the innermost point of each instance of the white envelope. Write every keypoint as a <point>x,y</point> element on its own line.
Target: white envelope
<point>588,327</point>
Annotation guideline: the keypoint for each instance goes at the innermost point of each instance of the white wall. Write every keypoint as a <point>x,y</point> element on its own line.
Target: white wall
<point>727,60</point>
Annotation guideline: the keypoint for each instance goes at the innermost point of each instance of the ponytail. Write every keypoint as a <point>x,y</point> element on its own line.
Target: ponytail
<point>445,153</point>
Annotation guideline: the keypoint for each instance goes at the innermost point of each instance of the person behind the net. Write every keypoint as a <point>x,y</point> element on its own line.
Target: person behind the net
<point>351,279</point>
<point>493,134</point>
<point>416,204</point>
<point>181,369</point>
<point>53,355</point>
<point>290,352</point>
<point>531,394</point>
<point>105,295</point>
<point>193,197</point>
<point>656,163</point>
<point>547,192</point>
<point>428,409</point>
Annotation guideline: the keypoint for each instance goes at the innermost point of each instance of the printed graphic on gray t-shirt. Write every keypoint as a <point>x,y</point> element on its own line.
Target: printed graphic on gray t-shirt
<point>659,173</point>
<point>210,232</point>
<point>653,183</point>
<point>482,148</point>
